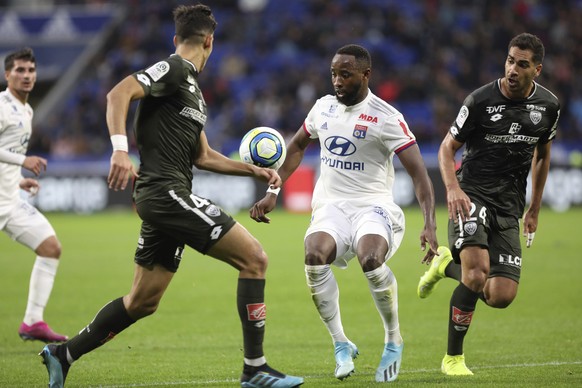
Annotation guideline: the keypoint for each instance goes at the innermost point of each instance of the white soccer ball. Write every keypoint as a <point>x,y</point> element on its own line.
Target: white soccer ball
<point>263,147</point>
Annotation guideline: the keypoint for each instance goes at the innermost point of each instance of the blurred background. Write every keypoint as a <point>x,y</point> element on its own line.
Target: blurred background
<point>271,62</point>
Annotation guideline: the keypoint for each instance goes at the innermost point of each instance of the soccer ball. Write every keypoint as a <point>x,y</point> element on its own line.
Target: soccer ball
<point>263,147</point>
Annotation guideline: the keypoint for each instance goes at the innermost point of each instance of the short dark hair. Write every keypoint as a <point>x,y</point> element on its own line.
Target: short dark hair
<point>193,21</point>
<point>25,54</point>
<point>363,58</point>
<point>526,41</point>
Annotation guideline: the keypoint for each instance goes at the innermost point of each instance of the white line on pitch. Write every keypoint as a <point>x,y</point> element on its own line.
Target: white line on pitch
<point>211,382</point>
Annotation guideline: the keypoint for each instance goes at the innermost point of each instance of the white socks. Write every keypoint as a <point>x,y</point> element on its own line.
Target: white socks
<point>325,295</point>
<point>41,285</point>
<point>384,289</point>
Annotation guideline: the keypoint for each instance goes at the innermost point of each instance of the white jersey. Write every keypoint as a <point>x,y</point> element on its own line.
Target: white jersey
<point>15,130</point>
<point>358,144</point>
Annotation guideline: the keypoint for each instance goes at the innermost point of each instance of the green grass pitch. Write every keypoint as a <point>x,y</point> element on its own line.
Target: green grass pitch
<point>194,340</point>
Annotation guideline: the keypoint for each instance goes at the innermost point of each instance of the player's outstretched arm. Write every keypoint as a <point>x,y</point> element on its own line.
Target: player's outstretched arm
<point>209,159</point>
<point>295,152</point>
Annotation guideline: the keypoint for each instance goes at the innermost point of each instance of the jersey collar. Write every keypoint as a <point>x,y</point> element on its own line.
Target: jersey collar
<point>533,90</point>
<point>190,63</point>
<point>13,98</point>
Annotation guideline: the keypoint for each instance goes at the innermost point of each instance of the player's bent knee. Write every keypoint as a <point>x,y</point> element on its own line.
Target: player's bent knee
<point>255,264</point>
<point>138,310</point>
<point>499,301</point>
<point>371,262</point>
<point>500,292</point>
<point>498,304</point>
<point>51,247</point>
<point>314,258</point>
<point>475,279</point>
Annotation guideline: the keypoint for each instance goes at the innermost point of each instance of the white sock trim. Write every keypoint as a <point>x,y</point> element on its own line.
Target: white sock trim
<point>40,287</point>
<point>255,361</point>
<point>70,358</point>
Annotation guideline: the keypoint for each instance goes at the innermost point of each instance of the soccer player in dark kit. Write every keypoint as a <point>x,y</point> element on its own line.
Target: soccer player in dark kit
<point>507,127</point>
<point>171,140</point>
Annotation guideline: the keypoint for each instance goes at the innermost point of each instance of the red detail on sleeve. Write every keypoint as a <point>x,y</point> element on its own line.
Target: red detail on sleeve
<point>404,129</point>
<point>405,146</point>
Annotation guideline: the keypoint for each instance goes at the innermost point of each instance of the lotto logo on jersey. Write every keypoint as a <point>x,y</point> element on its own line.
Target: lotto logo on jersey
<point>256,312</point>
<point>360,131</point>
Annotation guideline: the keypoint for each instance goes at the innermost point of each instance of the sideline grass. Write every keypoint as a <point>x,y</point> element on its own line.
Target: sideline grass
<point>195,340</point>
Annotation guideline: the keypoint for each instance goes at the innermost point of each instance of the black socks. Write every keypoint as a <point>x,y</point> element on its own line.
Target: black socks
<point>462,306</point>
<point>111,320</point>
<point>251,309</point>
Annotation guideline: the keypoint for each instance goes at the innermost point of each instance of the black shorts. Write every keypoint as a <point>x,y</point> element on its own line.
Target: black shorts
<point>499,235</point>
<point>174,219</point>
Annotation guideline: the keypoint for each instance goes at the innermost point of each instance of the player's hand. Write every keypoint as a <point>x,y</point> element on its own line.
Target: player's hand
<point>530,225</point>
<point>30,185</point>
<point>428,235</point>
<point>260,209</point>
<point>458,204</point>
<point>35,164</point>
<point>268,175</point>
<point>121,171</point>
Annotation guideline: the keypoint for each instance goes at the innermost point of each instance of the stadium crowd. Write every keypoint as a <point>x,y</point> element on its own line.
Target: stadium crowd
<point>271,61</point>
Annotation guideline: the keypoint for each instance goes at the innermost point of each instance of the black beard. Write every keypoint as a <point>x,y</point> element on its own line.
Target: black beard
<point>347,99</point>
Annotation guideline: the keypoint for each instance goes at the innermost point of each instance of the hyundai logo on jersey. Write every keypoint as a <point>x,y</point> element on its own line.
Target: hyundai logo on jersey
<point>340,146</point>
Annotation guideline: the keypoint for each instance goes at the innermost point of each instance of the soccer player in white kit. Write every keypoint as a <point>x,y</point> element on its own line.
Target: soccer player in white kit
<point>353,209</point>
<point>18,219</point>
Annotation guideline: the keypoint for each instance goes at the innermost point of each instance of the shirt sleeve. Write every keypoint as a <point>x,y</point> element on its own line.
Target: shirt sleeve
<point>397,136</point>
<point>5,155</point>
<point>464,123</point>
<point>551,134</point>
<point>160,79</point>
<point>309,124</point>
<point>11,157</point>
<point>2,120</point>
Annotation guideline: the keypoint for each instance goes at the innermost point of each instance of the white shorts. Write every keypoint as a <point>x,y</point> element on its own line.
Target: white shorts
<point>25,224</point>
<point>347,222</point>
